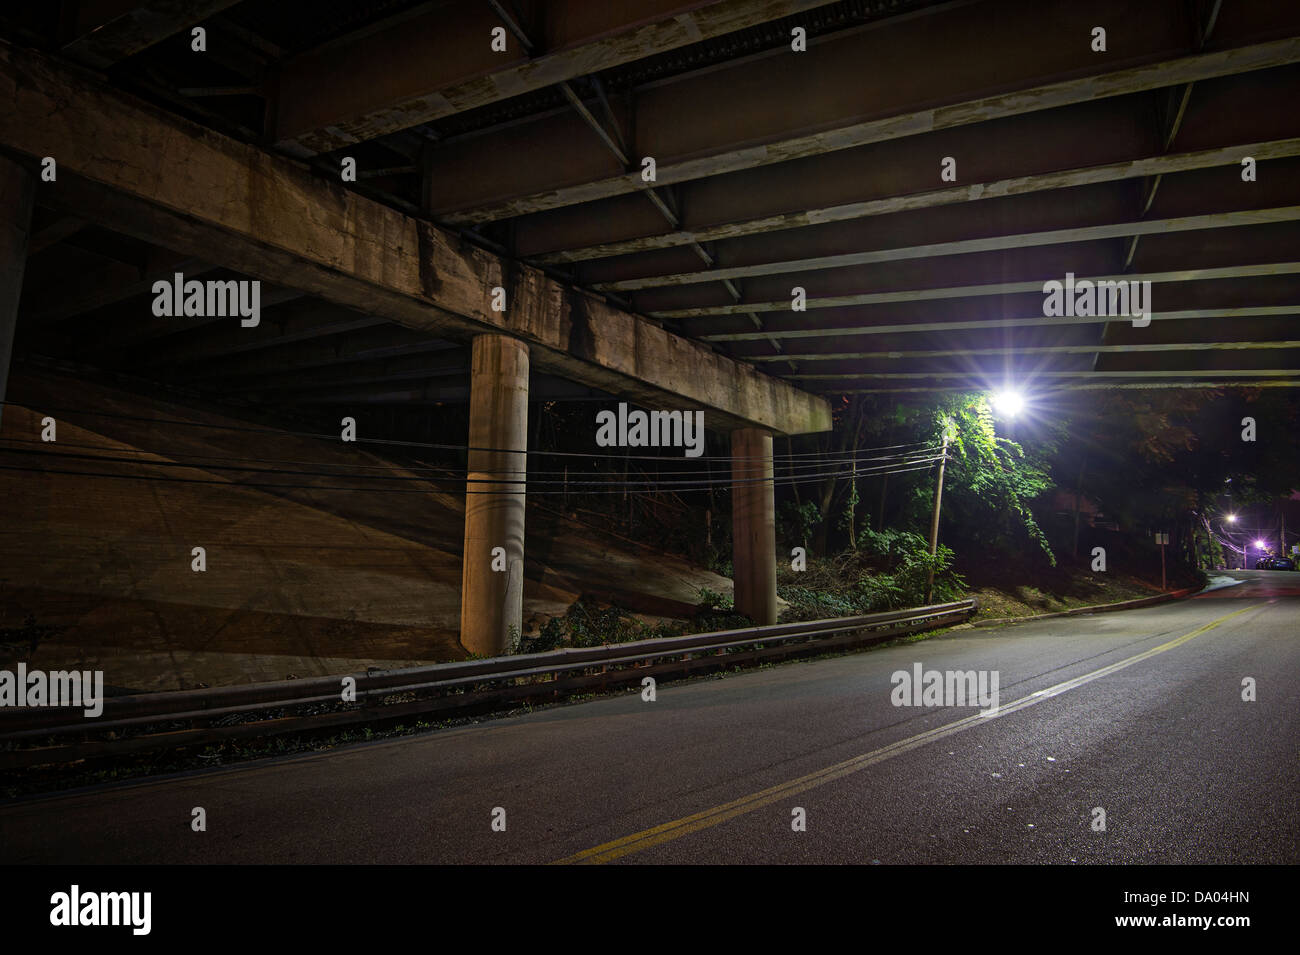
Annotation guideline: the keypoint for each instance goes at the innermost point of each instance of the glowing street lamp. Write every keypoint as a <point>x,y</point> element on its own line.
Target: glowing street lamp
<point>1260,545</point>
<point>1232,518</point>
<point>1008,402</point>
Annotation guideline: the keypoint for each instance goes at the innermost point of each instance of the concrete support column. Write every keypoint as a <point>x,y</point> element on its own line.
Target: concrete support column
<point>753,525</point>
<point>17,187</point>
<point>492,581</point>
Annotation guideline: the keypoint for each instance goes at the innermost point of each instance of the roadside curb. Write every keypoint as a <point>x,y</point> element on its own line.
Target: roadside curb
<point>1097,608</point>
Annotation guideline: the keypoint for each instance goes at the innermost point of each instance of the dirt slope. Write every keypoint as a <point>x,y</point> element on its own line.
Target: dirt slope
<point>301,581</point>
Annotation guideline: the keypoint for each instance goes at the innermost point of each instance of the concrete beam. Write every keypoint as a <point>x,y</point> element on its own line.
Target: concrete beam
<point>17,193</point>
<point>1140,373</point>
<point>439,62</point>
<point>279,358</point>
<point>409,368</point>
<point>303,321</point>
<point>415,389</point>
<point>161,178</point>
<point>61,228</point>
<point>110,285</point>
<point>439,392</point>
<point>1087,386</point>
<point>1031,350</point>
<point>927,199</point>
<point>119,335</point>
<point>992,288</point>
<point>108,31</point>
<point>913,328</point>
<point>1244,109</point>
<point>992,189</point>
<point>680,125</point>
<point>427,393</point>
<point>1222,220</point>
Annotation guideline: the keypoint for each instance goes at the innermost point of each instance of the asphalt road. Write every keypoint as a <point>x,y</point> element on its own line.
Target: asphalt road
<point>1139,713</point>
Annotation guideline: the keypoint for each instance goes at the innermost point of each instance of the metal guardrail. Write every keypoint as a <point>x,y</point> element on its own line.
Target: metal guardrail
<point>54,735</point>
<point>1093,608</point>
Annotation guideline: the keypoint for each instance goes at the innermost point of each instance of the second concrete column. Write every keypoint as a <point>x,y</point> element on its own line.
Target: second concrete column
<point>753,525</point>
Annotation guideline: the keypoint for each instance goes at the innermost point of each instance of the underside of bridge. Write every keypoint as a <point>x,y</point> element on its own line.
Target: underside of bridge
<point>746,207</point>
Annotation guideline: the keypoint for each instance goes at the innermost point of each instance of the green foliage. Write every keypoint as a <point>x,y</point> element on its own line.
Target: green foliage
<point>880,593</point>
<point>891,543</point>
<point>711,622</point>
<point>710,600</point>
<point>889,571</point>
<point>715,611</point>
<point>1174,460</point>
<point>796,522</point>
<point>911,563</point>
<point>718,560</point>
<point>585,624</point>
<point>807,603</point>
<point>551,637</point>
<point>990,484</point>
<point>913,575</point>
<point>1206,549</point>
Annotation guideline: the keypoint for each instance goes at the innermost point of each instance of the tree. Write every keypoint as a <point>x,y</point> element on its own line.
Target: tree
<point>990,485</point>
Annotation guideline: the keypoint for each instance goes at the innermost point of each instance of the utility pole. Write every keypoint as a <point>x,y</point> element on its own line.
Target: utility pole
<point>1078,493</point>
<point>1162,539</point>
<point>934,519</point>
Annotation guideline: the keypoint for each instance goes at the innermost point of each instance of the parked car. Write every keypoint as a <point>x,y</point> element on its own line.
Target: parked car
<point>1275,563</point>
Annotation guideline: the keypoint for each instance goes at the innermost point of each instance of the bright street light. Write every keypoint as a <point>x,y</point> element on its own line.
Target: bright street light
<point>1259,544</point>
<point>1008,402</point>
<point>1232,518</point>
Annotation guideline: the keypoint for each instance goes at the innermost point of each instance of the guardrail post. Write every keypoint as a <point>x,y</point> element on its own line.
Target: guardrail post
<point>492,579</point>
<point>753,525</point>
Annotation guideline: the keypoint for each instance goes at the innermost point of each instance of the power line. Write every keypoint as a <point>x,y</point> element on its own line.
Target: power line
<point>844,458</point>
<point>698,483</point>
<point>616,488</point>
<point>420,444</point>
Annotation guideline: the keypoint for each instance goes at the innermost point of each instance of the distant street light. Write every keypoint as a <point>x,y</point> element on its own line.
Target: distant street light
<point>1260,545</point>
<point>1232,518</point>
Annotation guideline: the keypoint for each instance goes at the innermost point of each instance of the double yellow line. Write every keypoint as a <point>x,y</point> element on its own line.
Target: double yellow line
<point>668,831</point>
